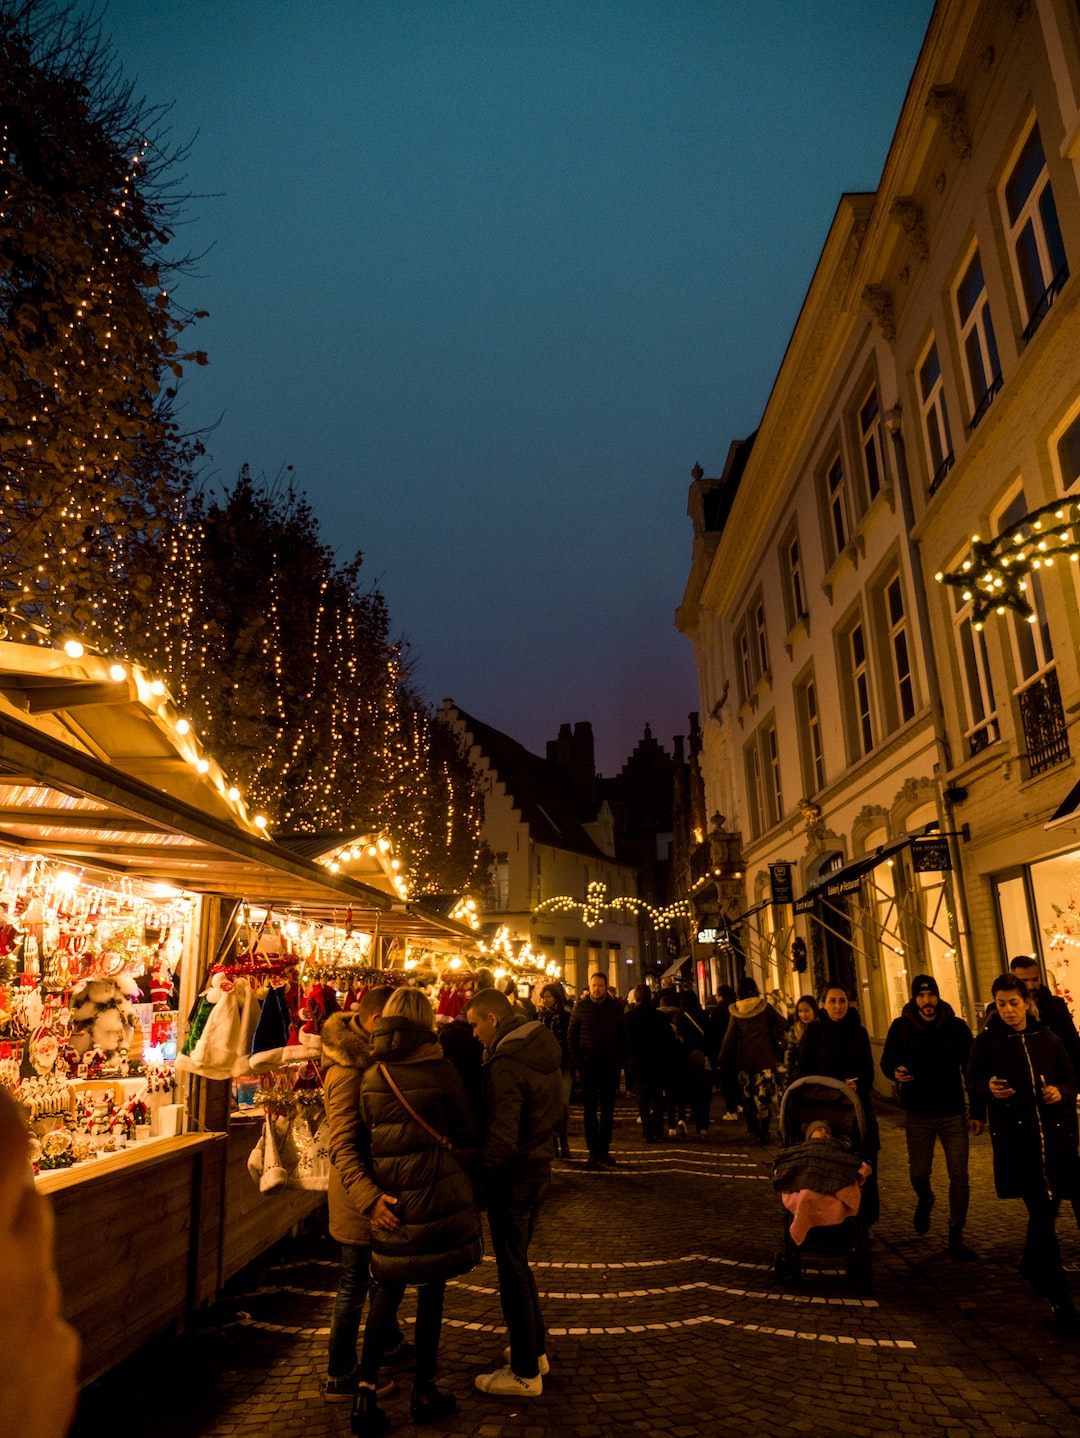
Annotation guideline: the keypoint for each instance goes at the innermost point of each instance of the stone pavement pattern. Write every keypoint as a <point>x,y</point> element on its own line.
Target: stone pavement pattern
<point>664,1316</point>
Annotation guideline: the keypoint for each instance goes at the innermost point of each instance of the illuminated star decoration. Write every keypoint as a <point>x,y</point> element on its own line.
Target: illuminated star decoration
<point>995,577</point>
<point>596,907</point>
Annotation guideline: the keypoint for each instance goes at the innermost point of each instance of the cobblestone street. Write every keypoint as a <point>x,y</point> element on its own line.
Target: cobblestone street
<point>664,1317</point>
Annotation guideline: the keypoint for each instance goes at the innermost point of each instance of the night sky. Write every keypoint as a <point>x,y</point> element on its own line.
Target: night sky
<point>491,275</point>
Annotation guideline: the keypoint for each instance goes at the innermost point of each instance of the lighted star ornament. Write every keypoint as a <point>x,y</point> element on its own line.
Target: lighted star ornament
<point>995,577</point>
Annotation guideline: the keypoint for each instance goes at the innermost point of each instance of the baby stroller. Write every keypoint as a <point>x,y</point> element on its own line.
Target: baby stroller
<point>805,1100</point>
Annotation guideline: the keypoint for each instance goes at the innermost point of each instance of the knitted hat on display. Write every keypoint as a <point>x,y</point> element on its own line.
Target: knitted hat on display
<point>271,1032</point>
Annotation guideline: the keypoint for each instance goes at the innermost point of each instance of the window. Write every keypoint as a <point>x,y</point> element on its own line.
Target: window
<point>898,645</point>
<point>1069,455</point>
<point>751,649</point>
<point>1037,249</point>
<point>872,445</point>
<point>836,498</point>
<point>981,366</point>
<point>763,785</point>
<point>791,570</point>
<point>811,753</point>
<point>981,709</point>
<point>775,792</point>
<point>760,638</point>
<point>935,418</point>
<point>860,688</point>
<point>755,792</point>
<point>746,667</point>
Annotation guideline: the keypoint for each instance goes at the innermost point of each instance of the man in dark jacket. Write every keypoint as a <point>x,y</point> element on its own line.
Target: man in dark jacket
<point>1051,1010</point>
<point>523,1104</point>
<point>597,1043</point>
<point>926,1054</point>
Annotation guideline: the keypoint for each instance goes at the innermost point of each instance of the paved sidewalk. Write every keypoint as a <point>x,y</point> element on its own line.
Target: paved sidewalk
<point>664,1318</point>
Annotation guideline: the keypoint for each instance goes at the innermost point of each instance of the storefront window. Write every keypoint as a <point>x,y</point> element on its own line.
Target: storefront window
<point>1055,886</point>
<point>1016,931</point>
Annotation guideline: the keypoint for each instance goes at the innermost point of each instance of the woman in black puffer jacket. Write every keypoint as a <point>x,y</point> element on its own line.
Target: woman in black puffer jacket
<point>1020,1071</point>
<point>425,1227</point>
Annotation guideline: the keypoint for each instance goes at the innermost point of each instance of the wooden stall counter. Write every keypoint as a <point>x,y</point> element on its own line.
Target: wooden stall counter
<point>254,1220</point>
<point>137,1241</point>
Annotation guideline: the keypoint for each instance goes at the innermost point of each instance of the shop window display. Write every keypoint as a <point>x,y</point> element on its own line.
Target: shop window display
<point>87,1018</point>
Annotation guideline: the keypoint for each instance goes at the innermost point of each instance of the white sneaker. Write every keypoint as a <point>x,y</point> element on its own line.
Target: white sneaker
<point>730,1117</point>
<point>544,1365</point>
<point>506,1383</point>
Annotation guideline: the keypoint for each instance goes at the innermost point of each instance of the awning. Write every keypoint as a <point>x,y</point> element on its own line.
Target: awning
<point>848,879</point>
<point>1067,810</point>
<point>82,811</point>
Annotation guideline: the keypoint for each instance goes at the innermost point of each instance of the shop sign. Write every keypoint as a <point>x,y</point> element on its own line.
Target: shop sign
<point>780,883</point>
<point>930,854</point>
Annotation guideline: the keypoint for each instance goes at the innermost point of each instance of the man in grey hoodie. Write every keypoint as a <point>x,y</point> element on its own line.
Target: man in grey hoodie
<point>523,1109</point>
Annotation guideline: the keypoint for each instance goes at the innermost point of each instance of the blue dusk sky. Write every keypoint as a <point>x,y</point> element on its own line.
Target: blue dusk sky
<point>491,275</point>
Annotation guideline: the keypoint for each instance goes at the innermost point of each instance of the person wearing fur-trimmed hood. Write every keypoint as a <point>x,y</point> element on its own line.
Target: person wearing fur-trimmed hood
<point>753,1045</point>
<point>351,1193</point>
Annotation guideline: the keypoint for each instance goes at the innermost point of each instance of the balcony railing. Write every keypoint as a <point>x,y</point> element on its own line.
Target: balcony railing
<point>985,403</point>
<point>1042,309</point>
<point>1042,717</point>
<point>940,473</point>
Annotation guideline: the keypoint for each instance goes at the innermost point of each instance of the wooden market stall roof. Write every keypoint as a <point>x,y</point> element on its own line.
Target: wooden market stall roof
<point>95,772</point>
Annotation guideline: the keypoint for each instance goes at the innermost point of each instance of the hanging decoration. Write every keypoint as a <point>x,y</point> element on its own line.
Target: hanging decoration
<point>597,908</point>
<point>994,578</point>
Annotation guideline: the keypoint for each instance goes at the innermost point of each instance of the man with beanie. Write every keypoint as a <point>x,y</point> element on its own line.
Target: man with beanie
<point>523,1099</point>
<point>926,1054</point>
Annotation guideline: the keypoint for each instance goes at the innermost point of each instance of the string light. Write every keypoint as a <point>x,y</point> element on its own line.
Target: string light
<point>1003,565</point>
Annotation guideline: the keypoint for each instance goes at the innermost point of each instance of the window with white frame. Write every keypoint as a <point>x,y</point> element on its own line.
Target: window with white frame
<point>763,778</point>
<point>791,569</point>
<point>872,445</point>
<point>836,502</point>
<point>751,648</point>
<point>860,684</point>
<point>1034,234</point>
<point>935,417</point>
<point>775,793</point>
<point>856,687</point>
<point>755,788</point>
<point>1068,451</point>
<point>1032,648</point>
<point>761,640</point>
<point>979,704</point>
<point>982,369</point>
<point>811,752</point>
<point>899,652</point>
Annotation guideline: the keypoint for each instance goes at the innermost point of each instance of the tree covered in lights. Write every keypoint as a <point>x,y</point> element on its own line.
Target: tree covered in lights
<point>91,456</point>
<point>284,662</point>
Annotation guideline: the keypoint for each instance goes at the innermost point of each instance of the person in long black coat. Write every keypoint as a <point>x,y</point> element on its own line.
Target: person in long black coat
<point>1019,1068</point>
<point>425,1224</point>
<point>838,1046</point>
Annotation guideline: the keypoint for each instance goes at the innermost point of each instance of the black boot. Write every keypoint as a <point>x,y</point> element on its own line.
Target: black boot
<point>428,1405</point>
<point>958,1249</point>
<point>367,1417</point>
<point>1066,1319</point>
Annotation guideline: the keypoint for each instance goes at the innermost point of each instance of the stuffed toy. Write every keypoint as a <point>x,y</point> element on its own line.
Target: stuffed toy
<point>102,1014</point>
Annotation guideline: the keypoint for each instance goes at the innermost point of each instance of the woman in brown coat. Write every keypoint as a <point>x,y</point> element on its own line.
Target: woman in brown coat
<point>352,1193</point>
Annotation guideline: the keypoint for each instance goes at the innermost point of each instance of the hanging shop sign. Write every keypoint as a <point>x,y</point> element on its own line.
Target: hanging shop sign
<point>780,883</point>
<point>930,854</point>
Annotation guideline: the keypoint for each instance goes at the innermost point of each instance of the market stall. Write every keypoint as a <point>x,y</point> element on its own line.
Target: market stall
<point>129,870</point>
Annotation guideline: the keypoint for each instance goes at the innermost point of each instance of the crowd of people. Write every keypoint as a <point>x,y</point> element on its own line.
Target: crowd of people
<point>429,1125</point>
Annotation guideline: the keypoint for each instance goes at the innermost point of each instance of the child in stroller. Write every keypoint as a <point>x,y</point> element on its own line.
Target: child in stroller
<point>819,1174</point>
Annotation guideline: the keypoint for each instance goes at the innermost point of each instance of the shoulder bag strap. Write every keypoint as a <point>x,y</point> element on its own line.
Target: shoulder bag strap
<point>440,1138</point>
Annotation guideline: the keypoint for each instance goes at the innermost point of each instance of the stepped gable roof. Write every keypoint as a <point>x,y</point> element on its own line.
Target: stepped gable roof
<point>542,791</point>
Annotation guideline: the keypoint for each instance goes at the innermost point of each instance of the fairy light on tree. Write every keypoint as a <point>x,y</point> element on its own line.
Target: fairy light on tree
<point>995,576</point>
